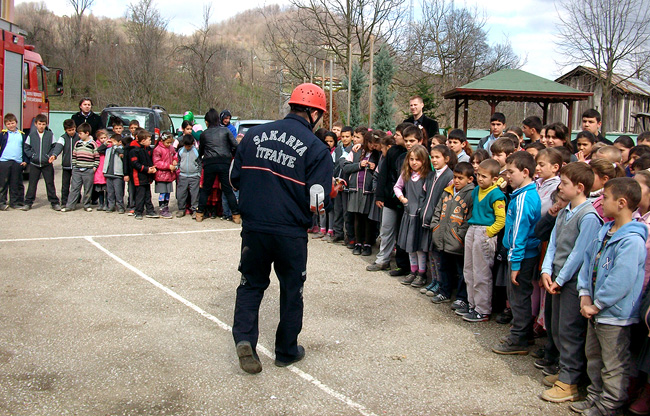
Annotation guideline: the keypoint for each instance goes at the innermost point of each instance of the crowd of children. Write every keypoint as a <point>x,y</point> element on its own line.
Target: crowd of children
<point>103,167</point>
<point>554,235</point>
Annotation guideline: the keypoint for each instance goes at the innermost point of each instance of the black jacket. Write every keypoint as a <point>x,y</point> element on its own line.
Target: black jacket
<point>140,161</point>
<point>93,119</point>
<point>217,145</point>
<point>275,166</point>
<point>388,175</point>
<point>68,145</point>
<point>3,143</point>
<point>430,125</point>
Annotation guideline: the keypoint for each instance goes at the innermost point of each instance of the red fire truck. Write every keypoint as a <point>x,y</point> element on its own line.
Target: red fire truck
<point>23,78</point>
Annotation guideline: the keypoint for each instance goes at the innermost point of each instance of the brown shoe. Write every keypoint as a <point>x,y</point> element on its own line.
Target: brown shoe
<point>549,381</point>
<point>561,392</point>
<point>199,216</point>
<point>236,218</point>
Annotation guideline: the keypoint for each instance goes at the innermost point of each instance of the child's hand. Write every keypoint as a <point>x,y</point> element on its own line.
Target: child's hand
<point>151,169</point>
<point>356,147</point>
<point>51,159</point>
<point>126,179</point>
<point>172,167</point>
<point>175,162</point>
<point>554,289</point>
<point>513,277</point>
<point>371,165</point>
<point>589,311</point>
<point>580,156</point>
<point>363,163</point>
<point>23,164</point>
<point>403,200</point>
<point>380,204</point>
<point>546,280</point>
<point>122,156</point>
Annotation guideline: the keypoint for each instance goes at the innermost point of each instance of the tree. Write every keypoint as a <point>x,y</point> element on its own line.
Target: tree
<point>357,88</point>
<point>384,70</point>
<point>608,35</point>
<point>147,52</point>
<point>199,55</point>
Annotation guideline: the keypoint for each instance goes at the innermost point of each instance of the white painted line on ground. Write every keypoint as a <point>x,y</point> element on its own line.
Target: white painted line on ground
<point>305,376</point>
<point>75,237</point>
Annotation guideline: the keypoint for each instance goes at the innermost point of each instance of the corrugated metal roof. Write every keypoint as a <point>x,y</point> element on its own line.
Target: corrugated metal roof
<point>629,85</point>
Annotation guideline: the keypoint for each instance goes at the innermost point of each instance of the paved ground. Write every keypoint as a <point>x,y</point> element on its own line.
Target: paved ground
<point>104,315</point>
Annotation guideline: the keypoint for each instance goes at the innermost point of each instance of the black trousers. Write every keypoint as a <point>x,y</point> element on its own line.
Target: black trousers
<point>289,258</point>
<point>132,193</point>
<point>66,176</point>
<point>35,173</point>
<point>210,172</point>
<point>143,199</point>
<point>11,179</point>
<point>365,229</point>
<point>401,256</point>
<point>520,302</point>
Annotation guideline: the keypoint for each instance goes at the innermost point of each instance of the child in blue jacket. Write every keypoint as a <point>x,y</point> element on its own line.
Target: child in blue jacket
<point>523,213</point>
<point>610,285</point>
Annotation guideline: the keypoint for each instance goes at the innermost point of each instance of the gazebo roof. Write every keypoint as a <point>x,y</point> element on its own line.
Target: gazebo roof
<point>516,85</point>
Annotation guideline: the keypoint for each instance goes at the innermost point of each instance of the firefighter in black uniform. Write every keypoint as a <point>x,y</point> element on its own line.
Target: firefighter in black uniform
<point>279,169</point>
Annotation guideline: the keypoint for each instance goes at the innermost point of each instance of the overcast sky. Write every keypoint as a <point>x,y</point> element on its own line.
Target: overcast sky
<point>530,25</point>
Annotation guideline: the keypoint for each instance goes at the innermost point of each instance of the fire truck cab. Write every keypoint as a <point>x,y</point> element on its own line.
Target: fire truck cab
<point>23,81</point>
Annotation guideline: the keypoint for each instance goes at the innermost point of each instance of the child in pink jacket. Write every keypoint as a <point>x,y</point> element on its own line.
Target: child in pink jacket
<point>165,160</point>
<point>99,180</point>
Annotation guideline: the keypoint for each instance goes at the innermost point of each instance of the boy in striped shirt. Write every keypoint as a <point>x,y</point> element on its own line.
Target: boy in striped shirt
<point>85,160</point>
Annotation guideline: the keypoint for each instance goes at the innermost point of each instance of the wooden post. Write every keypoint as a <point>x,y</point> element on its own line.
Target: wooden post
<point>465,115</point>
<point>545,113</point>
<point>569,106</point>
<point>372,54</point>
<point>331,88</point>
<point>322,80</point>
<point>456,114</point>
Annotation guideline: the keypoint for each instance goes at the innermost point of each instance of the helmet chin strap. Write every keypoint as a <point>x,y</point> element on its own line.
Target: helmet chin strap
<point>313,122</point>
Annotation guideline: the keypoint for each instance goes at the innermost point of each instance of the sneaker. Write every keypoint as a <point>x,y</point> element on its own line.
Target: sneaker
<point>507,337</point>
<point>367,250</point>
<point>25,207</point>
<point>121,211</point>
<point>100,208</point>
<point>541,363</point>
<point>539,353</point>
<point>193,215</point>
<point>351,244</point>
<point>318,235</point>
<point>463,312</point>
<point>139,217</point>
<point>109,210</point>
<point>440,298</point>
<point>198,216</point>
<point>300,356</point>
<point>587,404</point>
<point>56,207</point>
<point>180,214</point>
<point>357,249</point>
<point>4,207</point>
<point>152,215</point>
<point>131,212</point>
<point>408,279</point>
<point>508,348</point>
<point>248,359</point>
<point>398,272</point>
<point>476,316</point>
<point>166,215</point>
<point>459,304</point>
<point>66,209</point>
<point>88,209</point>
<point>505,317</point>
<point>549,381</point>
<point>375,267</point>
<point>561,392</point>
<point>337,239</point>
<point>551,370</point>
<point>420,280</point>
<point>313,230</point>
<point>641,406</point>
<point>327,238</point>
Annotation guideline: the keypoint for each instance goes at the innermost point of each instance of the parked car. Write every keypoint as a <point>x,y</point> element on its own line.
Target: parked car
<point>243,125</point>
<point>154,119</point>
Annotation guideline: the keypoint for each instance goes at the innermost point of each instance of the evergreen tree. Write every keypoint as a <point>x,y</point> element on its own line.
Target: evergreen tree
<point>358,86</point>
<point>384,70</point>
<point>425,89</point>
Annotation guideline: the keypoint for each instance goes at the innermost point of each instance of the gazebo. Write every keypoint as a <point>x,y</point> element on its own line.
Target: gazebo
<point>514,85</point>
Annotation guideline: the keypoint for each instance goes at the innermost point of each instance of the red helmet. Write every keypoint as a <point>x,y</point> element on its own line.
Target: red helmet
<point>309,95</point>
